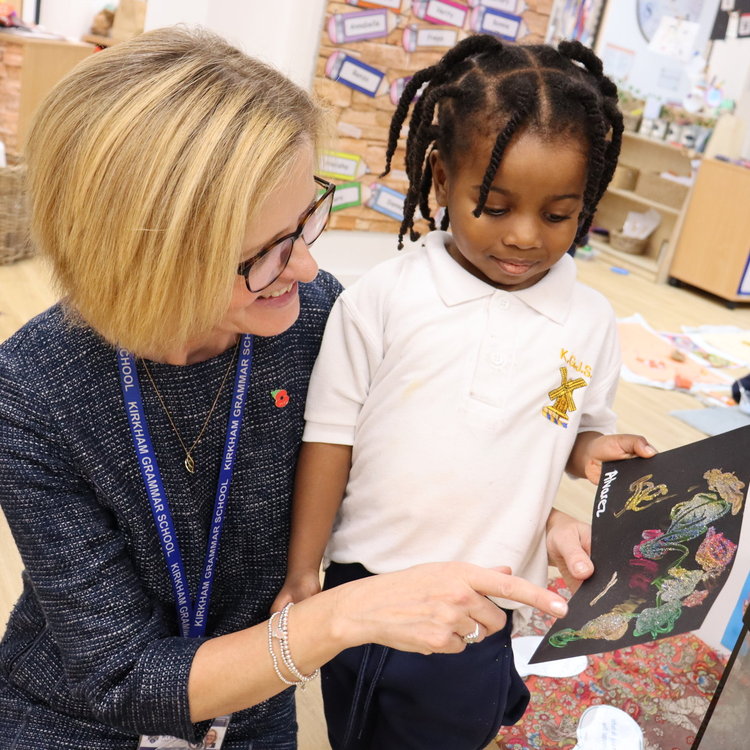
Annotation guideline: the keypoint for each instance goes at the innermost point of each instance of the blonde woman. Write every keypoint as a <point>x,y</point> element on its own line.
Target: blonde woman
<point>150,423</point>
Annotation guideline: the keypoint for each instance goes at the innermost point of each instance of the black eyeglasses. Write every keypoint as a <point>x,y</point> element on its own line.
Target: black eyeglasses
<point>269,263</point>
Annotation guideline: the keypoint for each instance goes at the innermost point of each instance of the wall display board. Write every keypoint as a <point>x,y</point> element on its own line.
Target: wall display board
<point>368,51</point>
<point>649,44</point>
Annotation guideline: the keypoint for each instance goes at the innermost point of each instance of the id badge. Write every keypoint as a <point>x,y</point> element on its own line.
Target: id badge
<point>213,740</point>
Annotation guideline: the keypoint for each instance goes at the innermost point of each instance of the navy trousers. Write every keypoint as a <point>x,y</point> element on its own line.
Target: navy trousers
<point>377,698</point>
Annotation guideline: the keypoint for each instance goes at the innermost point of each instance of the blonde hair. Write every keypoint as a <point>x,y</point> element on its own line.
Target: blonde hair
<point>145,165</point>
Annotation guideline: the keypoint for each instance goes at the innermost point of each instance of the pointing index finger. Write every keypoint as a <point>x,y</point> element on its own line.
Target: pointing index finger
<point>494,583</point>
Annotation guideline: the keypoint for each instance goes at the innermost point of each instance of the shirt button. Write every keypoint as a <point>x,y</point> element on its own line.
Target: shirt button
<point>503,303</point>
<point>498,359</point>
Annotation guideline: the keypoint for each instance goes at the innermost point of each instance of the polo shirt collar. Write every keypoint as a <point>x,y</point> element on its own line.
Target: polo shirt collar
<point>551,296</point>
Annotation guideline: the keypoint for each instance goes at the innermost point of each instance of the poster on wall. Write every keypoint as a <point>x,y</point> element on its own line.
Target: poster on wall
<point>575,19</point>
<point>368,51</point>
<point>665,533</point>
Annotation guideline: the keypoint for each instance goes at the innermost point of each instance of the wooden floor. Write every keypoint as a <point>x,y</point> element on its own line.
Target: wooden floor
<point>25,290</point>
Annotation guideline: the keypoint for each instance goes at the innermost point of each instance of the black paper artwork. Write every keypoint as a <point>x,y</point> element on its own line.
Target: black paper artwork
<point>665,531</point>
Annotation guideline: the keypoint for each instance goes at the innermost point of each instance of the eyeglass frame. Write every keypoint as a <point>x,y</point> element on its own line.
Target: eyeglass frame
<point>244,268</point>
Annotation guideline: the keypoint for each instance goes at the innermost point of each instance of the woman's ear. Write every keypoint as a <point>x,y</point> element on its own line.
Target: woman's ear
<point>439,178</point>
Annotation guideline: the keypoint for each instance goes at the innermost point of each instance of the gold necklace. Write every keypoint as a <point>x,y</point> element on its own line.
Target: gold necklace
<point>189,461</point>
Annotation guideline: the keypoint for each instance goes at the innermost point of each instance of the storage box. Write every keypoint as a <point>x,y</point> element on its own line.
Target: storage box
<point>625,177</point>
<point>14,220</point>
<point>626,244</point>
<point>654,187</point>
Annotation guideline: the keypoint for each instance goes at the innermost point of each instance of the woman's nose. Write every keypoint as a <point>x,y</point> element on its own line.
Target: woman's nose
<point>302,266</point>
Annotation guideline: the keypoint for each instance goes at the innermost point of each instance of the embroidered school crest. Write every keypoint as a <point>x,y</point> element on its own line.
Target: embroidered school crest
<point>562,398</point>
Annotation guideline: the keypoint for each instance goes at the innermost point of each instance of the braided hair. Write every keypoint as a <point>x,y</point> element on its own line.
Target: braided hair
<point>484,87</point>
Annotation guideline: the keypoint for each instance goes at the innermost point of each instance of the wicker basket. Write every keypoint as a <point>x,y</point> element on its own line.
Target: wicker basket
<point>625,244</point>
<point>14,219</point>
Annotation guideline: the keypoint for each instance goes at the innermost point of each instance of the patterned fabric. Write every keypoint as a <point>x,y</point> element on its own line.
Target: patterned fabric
<point>91,656</point>
<point>665,686</point>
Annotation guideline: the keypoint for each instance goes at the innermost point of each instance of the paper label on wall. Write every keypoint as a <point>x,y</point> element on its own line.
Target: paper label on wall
<point>357,75</point>
<point>341,166</point>
<point>392,4</point>
<point>415,38</point>
<point>398,86</point>
<point>675,37</point>
<point>360,25</point>
<point>445,12</point>
<point>507,6</point>
<point>386,201</point>
<point>504,25</point>
<point>347,195</point>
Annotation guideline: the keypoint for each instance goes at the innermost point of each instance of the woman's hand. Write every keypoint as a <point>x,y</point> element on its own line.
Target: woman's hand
<point>569,548</point>
<point>591,449</point>
<point>297,587</point>
<point>429,608</point>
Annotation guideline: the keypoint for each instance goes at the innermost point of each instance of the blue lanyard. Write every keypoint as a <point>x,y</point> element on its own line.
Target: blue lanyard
<point>192,617</point>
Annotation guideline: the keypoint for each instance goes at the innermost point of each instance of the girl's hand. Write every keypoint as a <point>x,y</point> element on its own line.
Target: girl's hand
<point>429,608</point>
<point>297,587</point>
<point>569,548</point>
<point>613,448</point>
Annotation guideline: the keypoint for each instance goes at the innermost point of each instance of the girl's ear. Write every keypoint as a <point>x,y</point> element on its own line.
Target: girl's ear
<point>439,178</point>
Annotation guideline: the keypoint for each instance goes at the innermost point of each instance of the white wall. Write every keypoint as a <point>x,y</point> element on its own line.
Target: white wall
<point>71,19</point>
<point>284,33</point>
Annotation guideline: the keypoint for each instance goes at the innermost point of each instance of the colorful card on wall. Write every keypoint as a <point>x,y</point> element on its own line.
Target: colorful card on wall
<point>386,201</point>
<point>429,37</point>
<point>506,26</point>
<point>507,6</point>
<point>361,25</point>
<point>664,535</point>
<point>447,12</point>
<point>347,195</point>
<point>341,166</point>
<point>392,4</point>
<point>356,74</point>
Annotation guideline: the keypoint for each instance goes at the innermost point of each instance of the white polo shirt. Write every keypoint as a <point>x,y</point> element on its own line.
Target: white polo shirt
<point>462,402</point>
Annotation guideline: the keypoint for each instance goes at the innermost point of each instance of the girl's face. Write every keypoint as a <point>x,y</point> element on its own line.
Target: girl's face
<point>531,216</point>
<point>274,309</point>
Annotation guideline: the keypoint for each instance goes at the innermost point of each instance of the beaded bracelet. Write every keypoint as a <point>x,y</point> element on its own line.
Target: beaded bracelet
<point>281,633</point>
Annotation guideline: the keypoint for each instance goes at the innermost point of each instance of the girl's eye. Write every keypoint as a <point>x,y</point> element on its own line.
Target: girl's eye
<point>495,211</point>
<point>556,218</point>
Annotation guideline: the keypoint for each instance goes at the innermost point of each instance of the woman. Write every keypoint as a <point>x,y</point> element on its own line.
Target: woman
<point>149,425</point>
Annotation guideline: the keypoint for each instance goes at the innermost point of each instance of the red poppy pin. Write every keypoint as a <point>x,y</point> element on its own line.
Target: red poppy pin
<point>280,397</point>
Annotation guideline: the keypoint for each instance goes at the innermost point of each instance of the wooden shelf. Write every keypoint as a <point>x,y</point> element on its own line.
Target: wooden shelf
<point>646,155</point>
<point>632,196</point>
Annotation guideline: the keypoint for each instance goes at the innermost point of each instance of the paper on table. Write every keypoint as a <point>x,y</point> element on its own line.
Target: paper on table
<point>608,728</point>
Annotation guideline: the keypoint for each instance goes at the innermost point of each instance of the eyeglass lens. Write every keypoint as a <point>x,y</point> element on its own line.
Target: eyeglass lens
<point>270,267</point>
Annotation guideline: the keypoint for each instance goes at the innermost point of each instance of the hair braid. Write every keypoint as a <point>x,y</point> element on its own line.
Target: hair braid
<point>421,138</point>
<point>525,106</point>
<point>402,109</point>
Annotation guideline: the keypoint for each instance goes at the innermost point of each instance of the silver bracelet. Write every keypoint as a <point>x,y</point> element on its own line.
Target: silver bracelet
<point>273,653</point>
<point>281,633</point>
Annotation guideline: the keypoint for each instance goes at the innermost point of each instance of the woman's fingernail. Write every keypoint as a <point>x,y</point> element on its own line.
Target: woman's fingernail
<point>559,608</point>
<point>580,568</point>
<point>651,450</point>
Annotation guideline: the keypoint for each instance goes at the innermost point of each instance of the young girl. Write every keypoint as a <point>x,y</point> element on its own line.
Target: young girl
<point>456,383</point>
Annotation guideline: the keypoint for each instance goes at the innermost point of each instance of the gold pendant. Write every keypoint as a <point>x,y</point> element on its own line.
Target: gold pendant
<point>190,464</point>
